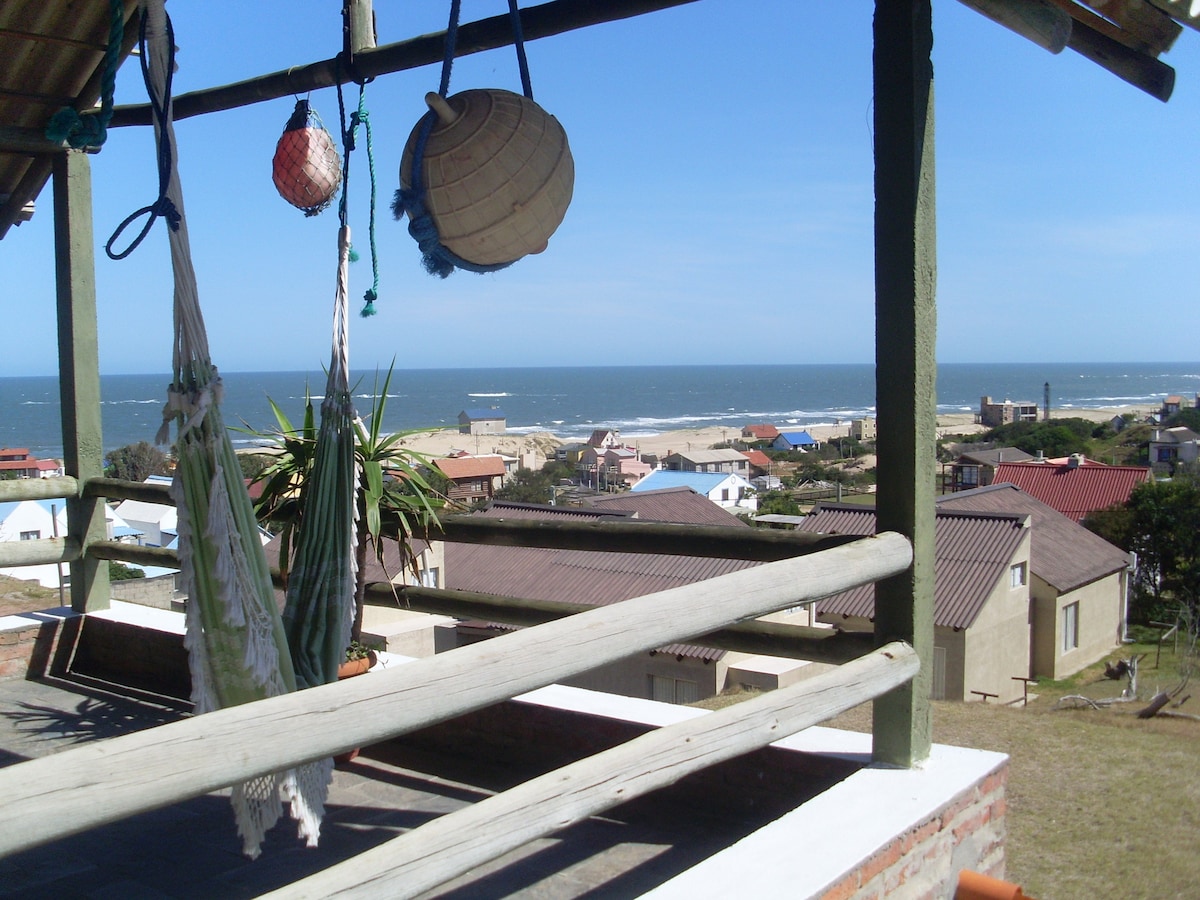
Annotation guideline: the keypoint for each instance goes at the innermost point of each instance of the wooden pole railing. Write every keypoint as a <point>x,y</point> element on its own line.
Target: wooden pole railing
<point>59,795</point>
<point>458,842</point>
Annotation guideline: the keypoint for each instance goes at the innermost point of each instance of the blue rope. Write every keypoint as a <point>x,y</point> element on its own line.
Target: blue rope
<point>160,107</point>
<point>435,256</point>
<point>92,130</point>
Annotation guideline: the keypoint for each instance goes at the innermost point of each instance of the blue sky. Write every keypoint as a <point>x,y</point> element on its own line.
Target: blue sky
<point>722,210</point>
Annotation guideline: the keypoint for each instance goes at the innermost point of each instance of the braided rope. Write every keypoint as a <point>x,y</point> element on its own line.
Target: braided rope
<point>80,131</point>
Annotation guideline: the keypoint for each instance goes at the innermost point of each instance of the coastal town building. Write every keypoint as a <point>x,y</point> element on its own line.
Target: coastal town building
<point>473,479</point>
<point>1079,582</point>
<point>606,468</point>
<point>604,437</point>
<point>725,460</point>
<point>762,434</point>
<point>993,415</point>
<point>18,462</point>
<point>726,489</point>
<point>863,429</point>
<point>1074,485</point>
<point>678,673</point>
<point>32,520</point>
<point>1173,404</point>
<point>482,421</point>
<point>795,440</point>
<point>977,468</point>
<point>1171,446</point>
<point>982,638</point>
<point>760,463</point>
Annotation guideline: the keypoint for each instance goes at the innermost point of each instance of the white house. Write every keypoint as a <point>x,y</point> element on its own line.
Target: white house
<point>31,520</point>
<point>726,489</point>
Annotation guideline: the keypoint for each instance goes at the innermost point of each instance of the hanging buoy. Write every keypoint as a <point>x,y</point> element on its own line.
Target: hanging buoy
<point>497,175</point>
<point>306,168</point>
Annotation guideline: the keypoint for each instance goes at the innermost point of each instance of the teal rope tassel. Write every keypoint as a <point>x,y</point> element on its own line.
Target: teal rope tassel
<point>373,294</point>
<point>67,125</point>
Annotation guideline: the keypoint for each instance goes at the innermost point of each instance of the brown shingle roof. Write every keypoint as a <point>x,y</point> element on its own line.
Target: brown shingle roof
<point>1062,553</point>
<point>972,552</point>
<point>1074,491</point>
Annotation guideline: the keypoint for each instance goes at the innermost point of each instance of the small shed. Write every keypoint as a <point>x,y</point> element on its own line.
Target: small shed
<point>482,421</point>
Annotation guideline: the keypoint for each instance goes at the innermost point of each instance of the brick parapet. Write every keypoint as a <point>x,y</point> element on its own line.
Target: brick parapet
<point>924,861</point>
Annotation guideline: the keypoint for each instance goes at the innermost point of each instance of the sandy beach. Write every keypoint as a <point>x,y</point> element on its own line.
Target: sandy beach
<point>446,441</point>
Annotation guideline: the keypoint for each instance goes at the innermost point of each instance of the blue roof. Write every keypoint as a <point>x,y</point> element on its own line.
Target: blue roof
<point>484,414</point>
<point>797,438</point>
<point>700,482</point>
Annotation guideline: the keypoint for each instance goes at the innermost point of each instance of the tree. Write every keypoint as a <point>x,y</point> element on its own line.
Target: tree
<point>527,486</point>
<point>118,571</point>
<point>136,462</point>
<point>1165,535</point>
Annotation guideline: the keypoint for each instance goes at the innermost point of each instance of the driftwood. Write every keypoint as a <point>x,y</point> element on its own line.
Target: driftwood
<point>1157,702</point>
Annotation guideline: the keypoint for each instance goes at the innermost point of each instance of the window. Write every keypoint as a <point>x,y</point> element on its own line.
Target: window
<point>1016,576</point>
<point>31,535</point>
<point>724,494</point>
<point>968,474</point>
<point>430,577</point>
<point>673,690</point>
<point>1070,627</point>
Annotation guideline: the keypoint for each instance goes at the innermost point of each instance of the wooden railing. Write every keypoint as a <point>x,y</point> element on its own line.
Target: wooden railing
<point>171,763</point>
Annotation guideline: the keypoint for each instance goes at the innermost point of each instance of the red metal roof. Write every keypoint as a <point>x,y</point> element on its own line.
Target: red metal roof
<point>973,551</point>
<point>1062,553</point>
<point>1075,490</point>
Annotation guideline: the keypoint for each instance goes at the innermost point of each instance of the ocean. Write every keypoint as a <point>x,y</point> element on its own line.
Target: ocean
<point>571,402</point>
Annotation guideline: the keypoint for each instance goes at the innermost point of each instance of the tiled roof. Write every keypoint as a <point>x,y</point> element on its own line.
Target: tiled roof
<point>1062,553</point>
<point>972,552</point>
<point>459,467</point>
<point>674,504</point>
<point>1074,491</point>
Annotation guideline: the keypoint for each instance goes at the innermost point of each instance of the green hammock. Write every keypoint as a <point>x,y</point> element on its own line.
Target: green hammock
<point>236,645</point>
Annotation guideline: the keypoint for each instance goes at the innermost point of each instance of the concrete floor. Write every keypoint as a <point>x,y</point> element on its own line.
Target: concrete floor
<point>191,849</point>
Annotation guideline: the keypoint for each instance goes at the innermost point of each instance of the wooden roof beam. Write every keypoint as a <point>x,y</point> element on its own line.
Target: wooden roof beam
<point>1039,21</point>
<point>554,17</point>
<point>1183,11</point>
<point>1133,23</point>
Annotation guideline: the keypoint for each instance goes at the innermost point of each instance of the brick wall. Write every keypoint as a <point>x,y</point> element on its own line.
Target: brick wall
<point>924,862</point>
<point>29,650</point>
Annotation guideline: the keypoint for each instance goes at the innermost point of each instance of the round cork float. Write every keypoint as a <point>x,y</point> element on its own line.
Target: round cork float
<point>498,174</point>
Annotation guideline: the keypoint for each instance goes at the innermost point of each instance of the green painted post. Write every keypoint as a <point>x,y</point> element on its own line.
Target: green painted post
<point>905,359</point>
<point>79,370</point>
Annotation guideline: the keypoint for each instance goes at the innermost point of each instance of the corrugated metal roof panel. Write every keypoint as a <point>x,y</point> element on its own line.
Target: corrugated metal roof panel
<point>972,552</point>
<point>1063,553</point>
<point>1074,491</point>
<point>681,505</point>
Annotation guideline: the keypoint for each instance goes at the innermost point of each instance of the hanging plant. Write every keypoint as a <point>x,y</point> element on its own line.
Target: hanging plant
<point>306,168</point>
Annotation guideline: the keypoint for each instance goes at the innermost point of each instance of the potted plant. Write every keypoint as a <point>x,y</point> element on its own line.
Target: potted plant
<point>391,494</point>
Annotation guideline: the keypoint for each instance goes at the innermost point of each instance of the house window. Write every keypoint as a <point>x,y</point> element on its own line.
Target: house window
<point>969,474</point>
<point>430,577</point>
<point>31,535</point>
<point>1070,627</point>
<point>724,494</point>
<point>1166,454</point>
<point>1016,576</point>
<point>673,690</point>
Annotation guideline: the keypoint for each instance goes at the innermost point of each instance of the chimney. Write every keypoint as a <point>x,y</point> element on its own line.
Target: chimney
<point>1075,460</point>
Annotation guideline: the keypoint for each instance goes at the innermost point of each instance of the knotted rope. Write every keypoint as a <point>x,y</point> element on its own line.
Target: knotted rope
<point>79,131</point>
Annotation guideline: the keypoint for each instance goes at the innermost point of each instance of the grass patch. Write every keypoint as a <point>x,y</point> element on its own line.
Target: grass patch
<point>1100,803</point>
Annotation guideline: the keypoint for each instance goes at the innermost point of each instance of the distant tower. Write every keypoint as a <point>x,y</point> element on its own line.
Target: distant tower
<point>1046,402</point>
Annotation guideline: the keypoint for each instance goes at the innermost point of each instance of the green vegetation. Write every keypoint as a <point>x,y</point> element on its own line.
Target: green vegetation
<point>136,462</point>
<point>118,571</point>
<point>529,486</point>
<point>1161,524</point>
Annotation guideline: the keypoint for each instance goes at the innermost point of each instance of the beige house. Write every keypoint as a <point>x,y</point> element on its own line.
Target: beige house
<point>1079,587</point>
<point>993,414</point>
<point>981,598</point>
